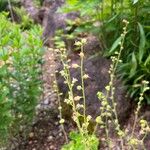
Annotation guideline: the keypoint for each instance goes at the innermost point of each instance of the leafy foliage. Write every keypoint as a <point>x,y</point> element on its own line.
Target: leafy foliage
<point>4,4</point>
<point>78,142</point>
<point>103,18</point>
<point>25,21</point>
<point>20,60</point>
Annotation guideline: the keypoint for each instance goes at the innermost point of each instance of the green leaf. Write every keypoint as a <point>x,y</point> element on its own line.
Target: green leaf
<point>133,65</point>
<point>138,79</point>
<point>72,2</point>
<point>147,62</point>
<point>135,1</point>
<point>5,40</point>
<point>148,99</point>
<point>115,45</point>
<point>80,142</point>
<point>112,19</point>
<point>142,42</point>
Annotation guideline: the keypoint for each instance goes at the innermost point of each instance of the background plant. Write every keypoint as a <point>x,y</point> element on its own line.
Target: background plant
<point>103,19</point>
<point>24,20</point>
<point>20,70</point>
<point>4,4</point>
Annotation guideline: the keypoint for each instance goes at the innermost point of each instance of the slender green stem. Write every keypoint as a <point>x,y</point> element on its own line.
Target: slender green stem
<point>11,11</point>
<point>112,7</point>
<point>102,11</point>
<point>136,117</point>
<point>83,88</point>
<point>60,111</point>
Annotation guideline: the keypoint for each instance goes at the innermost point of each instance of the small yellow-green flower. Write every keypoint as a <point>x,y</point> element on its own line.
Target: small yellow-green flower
<point>77,98</point>
<point>89,117</point>
<point>61,121</point>
<point>79,87</point>
<point>81,54</point>
<point>83,41</point>
<point>75,66</point>
<point>86,76</point>
<point>99,119</point>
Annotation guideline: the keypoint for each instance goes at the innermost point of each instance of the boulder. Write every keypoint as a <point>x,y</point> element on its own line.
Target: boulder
<point>97,68</point>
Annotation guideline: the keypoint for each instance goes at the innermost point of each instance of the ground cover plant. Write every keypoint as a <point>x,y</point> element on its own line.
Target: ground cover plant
<point>20,69</point>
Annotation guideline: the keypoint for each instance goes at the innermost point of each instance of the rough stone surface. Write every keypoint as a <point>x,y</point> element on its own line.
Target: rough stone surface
<point>97,68</point>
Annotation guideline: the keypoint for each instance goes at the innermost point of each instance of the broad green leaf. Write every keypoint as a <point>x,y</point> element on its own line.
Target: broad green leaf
<point>142,42</point>
<point>133,65</point>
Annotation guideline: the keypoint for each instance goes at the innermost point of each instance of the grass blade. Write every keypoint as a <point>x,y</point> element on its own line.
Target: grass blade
<point>142,42</point>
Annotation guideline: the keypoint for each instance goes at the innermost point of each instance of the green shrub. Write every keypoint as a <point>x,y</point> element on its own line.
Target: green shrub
<point>20,69</point>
